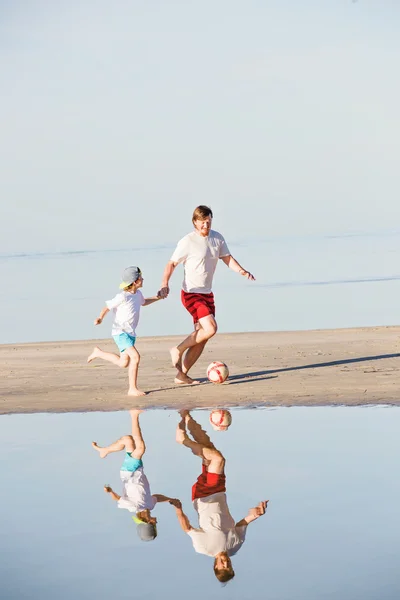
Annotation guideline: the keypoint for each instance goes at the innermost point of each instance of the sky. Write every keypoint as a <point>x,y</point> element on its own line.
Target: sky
<point>119,118</point>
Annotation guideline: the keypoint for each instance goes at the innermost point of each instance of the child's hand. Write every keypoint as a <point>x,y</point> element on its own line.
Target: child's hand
<point>98,321</point>
<point>107,489</point>
<point>175,502</point>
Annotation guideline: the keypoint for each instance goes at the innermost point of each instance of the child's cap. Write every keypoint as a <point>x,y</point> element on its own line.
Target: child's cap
<point>129,276</point>
<point>146,531</point>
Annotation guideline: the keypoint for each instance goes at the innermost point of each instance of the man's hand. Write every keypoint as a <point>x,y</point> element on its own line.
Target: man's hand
<point>175,502</point>
<point>98,321</point>
<point>160,295</point>
<point>163,293</point>
<point>247,274</point>
<point>258,511</point>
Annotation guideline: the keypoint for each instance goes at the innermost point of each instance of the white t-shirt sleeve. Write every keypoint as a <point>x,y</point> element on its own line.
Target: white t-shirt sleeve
<point>126,503</point>
<point>223,248</point>
<point>181,251</point>
<point>116,301</point>
<point>241,532</point>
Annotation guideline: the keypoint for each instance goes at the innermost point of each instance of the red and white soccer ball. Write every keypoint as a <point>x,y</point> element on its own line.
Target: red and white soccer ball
<point>220,419</point>
<point>217,372</point>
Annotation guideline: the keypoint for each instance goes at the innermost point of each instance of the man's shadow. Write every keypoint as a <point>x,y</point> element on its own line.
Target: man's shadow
<point>260,375</point>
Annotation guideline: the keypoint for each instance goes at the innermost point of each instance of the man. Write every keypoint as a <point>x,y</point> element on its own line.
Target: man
<point>199,251</point>
<point>217,535</point>
<point>136,496</point>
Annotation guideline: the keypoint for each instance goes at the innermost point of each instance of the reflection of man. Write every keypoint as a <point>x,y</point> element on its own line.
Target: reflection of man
<point>199,251</point>
<point>217,535</point>
<point>136,495</point>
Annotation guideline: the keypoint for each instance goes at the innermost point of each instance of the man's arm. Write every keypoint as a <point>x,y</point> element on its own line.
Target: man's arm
<point>169,269</point>
<point>253,514</point>
<point>233,264</point>
<point>182,518</point>
<point>110,491</point>
<point>102,315</point>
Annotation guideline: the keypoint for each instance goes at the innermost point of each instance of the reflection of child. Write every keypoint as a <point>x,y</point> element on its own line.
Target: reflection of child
<point>136,495</point>
<point>217,535</point>
<point>126,307</point>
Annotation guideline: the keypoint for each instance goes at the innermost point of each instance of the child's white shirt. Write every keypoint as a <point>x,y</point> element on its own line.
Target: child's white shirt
<point>136,494</point>
<point>126,309</point>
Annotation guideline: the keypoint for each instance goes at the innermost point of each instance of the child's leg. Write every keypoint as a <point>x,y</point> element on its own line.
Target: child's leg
<point>211,457</point>
<point>134,360</point>
<point>140,447</point>
<point>126,441</point>
<point>121,361</point>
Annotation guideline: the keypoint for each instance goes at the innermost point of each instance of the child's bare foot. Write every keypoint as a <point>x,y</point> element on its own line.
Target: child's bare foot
<point>135,411</point>
<point>136,392</point>
<point>181,435</point>
<point>102,451</point>
<point>176,358</point>
<point>94,354</point>
<point>181,377</point>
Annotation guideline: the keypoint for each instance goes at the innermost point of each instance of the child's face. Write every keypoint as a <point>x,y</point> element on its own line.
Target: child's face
<point>139,282</point>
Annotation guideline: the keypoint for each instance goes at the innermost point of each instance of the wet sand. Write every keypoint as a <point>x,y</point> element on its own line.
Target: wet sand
<point>301,368</point>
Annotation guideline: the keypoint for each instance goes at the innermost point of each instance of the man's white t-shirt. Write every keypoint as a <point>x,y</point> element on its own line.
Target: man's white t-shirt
<point>217,531</point>
<point>126,309</point>
<point>199,256</point>
<point>136,494</point>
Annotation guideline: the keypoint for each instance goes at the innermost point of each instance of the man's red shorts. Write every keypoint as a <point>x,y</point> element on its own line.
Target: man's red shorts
<point>199,305</point>
<point>207,484</point>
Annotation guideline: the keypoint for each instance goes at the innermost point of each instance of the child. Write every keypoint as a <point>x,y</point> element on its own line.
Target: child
<point>136,495</point>
<point>126,308</point>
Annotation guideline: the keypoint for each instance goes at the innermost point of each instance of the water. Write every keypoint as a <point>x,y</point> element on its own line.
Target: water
<point>331,529</point>
<point>302,283</point>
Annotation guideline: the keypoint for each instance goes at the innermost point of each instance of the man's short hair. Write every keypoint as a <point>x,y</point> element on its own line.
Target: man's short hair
<point>201,213</point>
<point>224,575</point>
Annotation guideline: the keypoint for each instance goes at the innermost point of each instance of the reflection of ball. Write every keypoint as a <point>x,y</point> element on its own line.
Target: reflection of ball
<point>217,372</point>
<point>220,419</point>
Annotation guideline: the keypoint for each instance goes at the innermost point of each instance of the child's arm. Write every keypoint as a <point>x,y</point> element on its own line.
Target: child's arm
<point>152,299</point>
<point>162,498</point>
<point>253,514</point>
<point>110,491</point>
<point>102,315</point>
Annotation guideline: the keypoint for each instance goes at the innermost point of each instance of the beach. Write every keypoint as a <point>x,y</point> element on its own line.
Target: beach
<point>350,367</point>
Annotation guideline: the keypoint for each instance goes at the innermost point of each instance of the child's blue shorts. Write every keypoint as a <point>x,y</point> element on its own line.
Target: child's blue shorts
<point>131,464</point>
<point>124,341</point>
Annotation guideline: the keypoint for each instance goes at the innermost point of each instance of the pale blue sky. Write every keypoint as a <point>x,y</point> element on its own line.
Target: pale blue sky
<point>119,117</point>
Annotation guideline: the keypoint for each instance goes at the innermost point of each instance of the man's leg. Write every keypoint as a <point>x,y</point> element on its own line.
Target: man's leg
<point>121,361</point>
<point>193,354</point>
<point>210,456</point>
<point>208,328</point>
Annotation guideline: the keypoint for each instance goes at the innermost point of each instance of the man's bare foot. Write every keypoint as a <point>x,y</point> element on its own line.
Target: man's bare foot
<point>102,451</point>
<point>176,358</point>
<point>136,392</point>
<point>184,379</point>
<point>94,354</point>
<point>181,435</point>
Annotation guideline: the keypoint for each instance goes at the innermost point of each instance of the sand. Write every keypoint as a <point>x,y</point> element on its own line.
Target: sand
<point>357,366</point>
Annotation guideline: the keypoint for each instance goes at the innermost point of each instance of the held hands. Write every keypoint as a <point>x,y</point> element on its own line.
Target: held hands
<point>163,293</point>
<point>175,502</point>
<point>258,511</point>
<point>247,274</point>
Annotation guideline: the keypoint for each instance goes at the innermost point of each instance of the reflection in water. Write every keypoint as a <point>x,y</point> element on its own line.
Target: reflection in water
<point>217,535</point>
<point>136,495</point>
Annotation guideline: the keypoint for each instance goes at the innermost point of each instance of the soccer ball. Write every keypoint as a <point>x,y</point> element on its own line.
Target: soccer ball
<point>220,419</point>
<point>217,372</point>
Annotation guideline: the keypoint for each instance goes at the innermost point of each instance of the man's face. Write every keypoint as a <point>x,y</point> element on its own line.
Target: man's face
<point>203,226</point>
<point>223,561</point>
